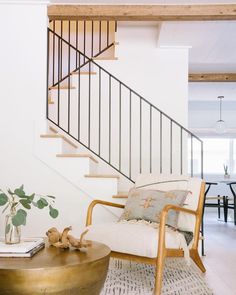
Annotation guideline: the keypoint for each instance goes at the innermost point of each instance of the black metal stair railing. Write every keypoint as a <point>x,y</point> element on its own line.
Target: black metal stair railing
<point>92,40</point>
<point>115,122</point>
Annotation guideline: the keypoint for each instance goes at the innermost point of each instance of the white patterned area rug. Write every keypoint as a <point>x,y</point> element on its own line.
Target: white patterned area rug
<point>130,278</point>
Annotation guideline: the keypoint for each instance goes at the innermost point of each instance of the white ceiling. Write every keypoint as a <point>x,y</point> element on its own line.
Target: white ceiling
<point>212,49</point>
<point>213,44</point>
<point>210,91</point>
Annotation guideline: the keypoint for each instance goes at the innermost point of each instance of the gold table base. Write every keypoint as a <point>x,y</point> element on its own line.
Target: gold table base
<point>55,271</point>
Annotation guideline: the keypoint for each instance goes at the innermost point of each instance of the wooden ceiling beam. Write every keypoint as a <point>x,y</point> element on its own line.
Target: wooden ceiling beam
<point>212,77</point>
<point>140,12</point>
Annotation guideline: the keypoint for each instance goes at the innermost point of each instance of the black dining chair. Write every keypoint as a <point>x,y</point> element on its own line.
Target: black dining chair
<point>221,203</point>
<point>220,200</point>
<point>231,201</point>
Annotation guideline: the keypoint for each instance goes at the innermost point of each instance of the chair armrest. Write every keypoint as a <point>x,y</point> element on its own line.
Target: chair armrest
<point>164,213</point>
<point>96,202</point>
<point>177,208</point>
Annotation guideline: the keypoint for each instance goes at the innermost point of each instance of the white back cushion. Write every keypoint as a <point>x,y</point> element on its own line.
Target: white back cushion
<point>164,182</point>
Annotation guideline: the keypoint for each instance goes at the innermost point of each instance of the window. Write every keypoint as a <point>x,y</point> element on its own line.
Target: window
<point>216,153</point>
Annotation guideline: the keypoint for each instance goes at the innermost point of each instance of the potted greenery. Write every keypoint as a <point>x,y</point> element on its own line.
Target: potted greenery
<point>226,175</point>
<point>16,202</point>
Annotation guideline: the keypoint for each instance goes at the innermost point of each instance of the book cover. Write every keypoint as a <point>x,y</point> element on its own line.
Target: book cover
<point>27,254</point>
<point>23,247</point>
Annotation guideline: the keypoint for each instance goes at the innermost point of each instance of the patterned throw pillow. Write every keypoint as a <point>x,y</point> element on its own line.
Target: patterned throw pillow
<point>148,204</point>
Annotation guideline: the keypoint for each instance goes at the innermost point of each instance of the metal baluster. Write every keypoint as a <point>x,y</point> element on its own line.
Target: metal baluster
<point>84,40</point>
<point>160,142</point>
<point>92,41</point>
<point>100,35</point>
<point>181,150</point>
<point>150,139</point>
<point>79,88</point>
<point>130,132</point>
<point>53,55</point>
<point>61,46</point>
<point>109,118</point>
<point>47,89</point>
<point>69,77</point>
<point>202,162</point>
<point>119,126</point>
<point>76,42</point>
<point>58,88</point>
<point>99,128</point>
<point>89,104</point>
<point>140,136</point>
<point>191,155</point>
<point>108,32</point>
<point>171,143</point>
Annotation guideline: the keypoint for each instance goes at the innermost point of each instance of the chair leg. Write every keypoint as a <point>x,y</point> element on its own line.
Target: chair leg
<point>225,205</point>
<point>218,201</point>
<point>159,273</point>
<point>234,210</point>
<point>196,258</point>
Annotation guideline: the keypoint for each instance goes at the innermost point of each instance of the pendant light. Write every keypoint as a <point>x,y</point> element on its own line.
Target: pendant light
<point>220,126</point>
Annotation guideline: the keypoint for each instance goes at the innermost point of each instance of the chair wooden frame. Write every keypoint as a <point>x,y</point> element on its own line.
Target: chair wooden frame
<point>163,252</point>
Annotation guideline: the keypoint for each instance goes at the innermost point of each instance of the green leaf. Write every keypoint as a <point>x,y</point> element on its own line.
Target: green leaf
<point>31,197</point>
<point>22,211</point>
<point>19,192</point>
<point>19,218</point>
<point>25,203</point>
<point>52,197</point>
<point>22,187</point>
<point>53,212</point>
<point>45,202</point>
<point>3,199</point>
<point>40,204</point>
<point>7,229</point>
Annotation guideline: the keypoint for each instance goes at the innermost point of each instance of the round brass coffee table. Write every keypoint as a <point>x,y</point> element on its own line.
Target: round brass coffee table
<point>56,271</point>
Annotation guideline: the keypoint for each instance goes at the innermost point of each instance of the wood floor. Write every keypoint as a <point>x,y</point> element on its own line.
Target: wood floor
<point>220,259</point>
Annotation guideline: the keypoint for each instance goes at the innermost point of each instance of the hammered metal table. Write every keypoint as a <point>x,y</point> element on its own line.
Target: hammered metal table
<point>56,271</point>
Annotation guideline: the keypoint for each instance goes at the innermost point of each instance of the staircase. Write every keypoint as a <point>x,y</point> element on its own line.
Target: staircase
<point>101,132</point>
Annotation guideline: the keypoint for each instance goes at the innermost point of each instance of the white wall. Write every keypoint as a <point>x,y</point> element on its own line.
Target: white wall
<point>159,74</point>
<point>22,101</point>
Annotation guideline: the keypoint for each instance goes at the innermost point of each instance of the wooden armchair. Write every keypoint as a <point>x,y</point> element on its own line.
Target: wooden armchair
<point>164,246</point>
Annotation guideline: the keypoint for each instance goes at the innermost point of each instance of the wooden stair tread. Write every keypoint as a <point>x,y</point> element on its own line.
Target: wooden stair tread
<point>101,176</point>
<point>120,196</point>
<point>53,129</point>
<point>62,87</point>
<point>59,136</point>
<point>50,136</point>
<point>77,156</point>
<point>105,58</point>
<point>84,73</point>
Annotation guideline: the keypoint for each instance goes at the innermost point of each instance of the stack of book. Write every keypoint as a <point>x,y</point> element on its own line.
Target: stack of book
<point>26,248</point>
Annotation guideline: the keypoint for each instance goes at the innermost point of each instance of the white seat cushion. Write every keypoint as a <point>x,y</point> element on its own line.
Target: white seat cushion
<point>137,239</point>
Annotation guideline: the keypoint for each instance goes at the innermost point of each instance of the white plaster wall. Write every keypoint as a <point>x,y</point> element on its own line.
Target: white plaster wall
<point>22,103</point>
<point>159,74</point>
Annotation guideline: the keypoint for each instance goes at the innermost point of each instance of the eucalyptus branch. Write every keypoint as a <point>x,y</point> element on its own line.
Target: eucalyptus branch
<point>18,198</point>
